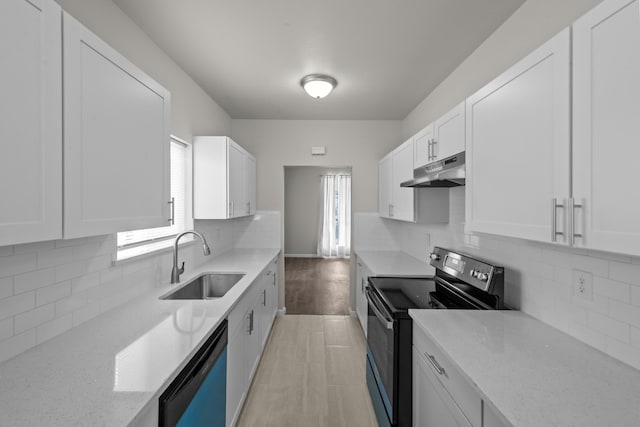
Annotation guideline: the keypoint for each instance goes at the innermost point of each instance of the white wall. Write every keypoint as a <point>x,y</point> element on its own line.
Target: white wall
<point>531,25</point>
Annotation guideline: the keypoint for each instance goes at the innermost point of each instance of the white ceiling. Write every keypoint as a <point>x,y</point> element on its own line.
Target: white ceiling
<point>250,55</point>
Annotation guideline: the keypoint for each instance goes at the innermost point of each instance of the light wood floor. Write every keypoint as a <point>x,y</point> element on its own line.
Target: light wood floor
<point>312,374</point>
<point>316,286</point>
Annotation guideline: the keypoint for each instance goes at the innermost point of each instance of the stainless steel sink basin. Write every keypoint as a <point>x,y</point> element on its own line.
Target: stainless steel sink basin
<point>206,286</point>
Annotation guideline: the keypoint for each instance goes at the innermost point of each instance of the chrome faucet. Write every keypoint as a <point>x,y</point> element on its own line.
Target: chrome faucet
<point>175,271</point>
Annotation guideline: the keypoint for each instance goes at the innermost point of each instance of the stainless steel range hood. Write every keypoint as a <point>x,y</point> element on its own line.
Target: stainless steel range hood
<point>448,172</point>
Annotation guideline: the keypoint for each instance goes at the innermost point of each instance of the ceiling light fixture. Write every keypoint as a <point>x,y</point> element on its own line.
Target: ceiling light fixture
<point>318,85</point>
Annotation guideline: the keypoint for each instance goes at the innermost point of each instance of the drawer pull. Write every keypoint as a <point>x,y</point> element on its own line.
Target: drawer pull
<point>435,363</point>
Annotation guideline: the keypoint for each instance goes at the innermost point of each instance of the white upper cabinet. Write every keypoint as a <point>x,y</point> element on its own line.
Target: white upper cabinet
<point>449,133</point>
<point>518,145</point>
<point>396,202</point>
<point>224,179</point>
<point>606,132</point>
<point>443,138</point>
<point>116,147</point>
<point>31,121</point>
<point>422,143</point>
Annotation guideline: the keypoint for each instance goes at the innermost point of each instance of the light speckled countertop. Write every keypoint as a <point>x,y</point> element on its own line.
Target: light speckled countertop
<point>394,263</point>
<point>105,372</point>
<point>533,374</point>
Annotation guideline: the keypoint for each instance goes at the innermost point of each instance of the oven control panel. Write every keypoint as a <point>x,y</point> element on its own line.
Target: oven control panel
<point>470,270</point>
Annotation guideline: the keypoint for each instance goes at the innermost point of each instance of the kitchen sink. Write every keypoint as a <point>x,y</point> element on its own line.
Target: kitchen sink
<point>206,286</point>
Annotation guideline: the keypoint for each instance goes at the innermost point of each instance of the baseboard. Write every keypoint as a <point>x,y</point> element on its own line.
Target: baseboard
<point>353,313</point>
<point>302,256</point>
<point>282,312</point>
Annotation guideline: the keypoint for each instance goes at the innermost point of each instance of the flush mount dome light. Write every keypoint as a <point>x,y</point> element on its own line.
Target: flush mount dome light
<point>318,85</point>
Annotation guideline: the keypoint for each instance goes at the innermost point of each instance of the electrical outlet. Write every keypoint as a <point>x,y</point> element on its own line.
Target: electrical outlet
<point>583,284</point>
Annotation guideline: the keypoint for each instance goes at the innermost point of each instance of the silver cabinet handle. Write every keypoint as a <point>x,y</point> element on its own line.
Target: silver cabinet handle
<point>435,149</point>
<point>264,297</point>
<point>439,369</point>
<point>572,221</point>
<point>554,223</point>
<point>172,218</point>
<point>429,145</point>
<point>251,322</point>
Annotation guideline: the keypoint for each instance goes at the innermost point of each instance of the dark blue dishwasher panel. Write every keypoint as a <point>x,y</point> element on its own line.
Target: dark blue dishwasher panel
<point>377,398</point>
<point>197,397</point>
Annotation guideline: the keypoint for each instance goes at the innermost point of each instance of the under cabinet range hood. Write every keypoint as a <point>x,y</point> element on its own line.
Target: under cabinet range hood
<point>448,172</point>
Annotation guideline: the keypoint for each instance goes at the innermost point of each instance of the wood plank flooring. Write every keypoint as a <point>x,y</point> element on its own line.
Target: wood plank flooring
<point>316,286</point>
<point>312,374</point>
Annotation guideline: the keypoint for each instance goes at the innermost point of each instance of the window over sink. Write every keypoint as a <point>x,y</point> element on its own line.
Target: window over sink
<point>140,242</point>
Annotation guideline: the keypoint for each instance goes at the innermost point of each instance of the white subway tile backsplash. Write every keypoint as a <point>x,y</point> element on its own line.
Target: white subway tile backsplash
<point>17,304</point>
<point>598,267</point>
<point>623,272</point>
<point>610,327</point>
<point>635,295</point>
<point>54,257</point>
<point>54,328</point>
<point>85,282</point>
<point>6,287</point>
<point>625,313</point>
<point>33,280</point>
<point>6,329</point>
<point>31,248</point>
<point>6,251</point>
<point>71,270</point>
<point>615,290</point>
<point>53,293</point>
<point>33,318</point>
<point>17,264</point>
<point>89,249</point>
<point>70,304</point>
<point>17,344</point>
<point>100,262</point>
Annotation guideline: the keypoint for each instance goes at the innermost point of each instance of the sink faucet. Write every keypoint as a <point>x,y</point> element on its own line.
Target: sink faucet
<point>175,271</point>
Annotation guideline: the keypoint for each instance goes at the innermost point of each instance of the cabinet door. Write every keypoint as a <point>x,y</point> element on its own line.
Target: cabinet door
<point>384,186</point>
<point>449,133</point>
<point>432,405</point>
<point>422,143</point>
<point>272,280</point>
<point>518,147</point>
<point>116,148</point>
<point>250,168</point>
<point>402,205</point>
<point>606,73</point>
<point>237,181</point>
<point>237,372</point>
<point>31,127</point>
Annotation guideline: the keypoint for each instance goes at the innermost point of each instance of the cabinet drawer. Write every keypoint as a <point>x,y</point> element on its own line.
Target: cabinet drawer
<point>456,385</point>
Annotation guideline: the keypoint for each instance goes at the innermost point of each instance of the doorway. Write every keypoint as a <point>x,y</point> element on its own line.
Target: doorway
<point>317,235</point>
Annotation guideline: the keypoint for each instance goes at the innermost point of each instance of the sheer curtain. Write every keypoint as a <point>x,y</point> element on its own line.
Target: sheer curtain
<point>334,234</point>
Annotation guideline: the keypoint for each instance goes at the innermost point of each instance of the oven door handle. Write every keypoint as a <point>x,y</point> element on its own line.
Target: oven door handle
<point>386,322</point>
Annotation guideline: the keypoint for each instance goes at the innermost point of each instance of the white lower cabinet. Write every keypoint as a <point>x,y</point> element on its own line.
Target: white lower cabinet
<point>249,325</point>
<point>432,405</point>
<point>362,275</point>
<point>442,395</point>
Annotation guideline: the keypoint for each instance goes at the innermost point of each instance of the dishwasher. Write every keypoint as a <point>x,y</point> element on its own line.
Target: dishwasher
<point>197,397</point>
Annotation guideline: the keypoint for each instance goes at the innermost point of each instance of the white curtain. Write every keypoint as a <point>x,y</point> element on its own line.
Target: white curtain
<point>334,235</point>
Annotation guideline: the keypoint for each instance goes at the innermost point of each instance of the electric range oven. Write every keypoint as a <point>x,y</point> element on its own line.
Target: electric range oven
<point>460,282</point>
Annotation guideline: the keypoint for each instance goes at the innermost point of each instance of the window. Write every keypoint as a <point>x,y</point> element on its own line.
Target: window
<point>139,242</point>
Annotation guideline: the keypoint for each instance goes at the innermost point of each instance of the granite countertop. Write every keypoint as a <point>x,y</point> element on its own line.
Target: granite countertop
<point>394,263</point>
<point>532,373</point>
<point>109,370</point>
